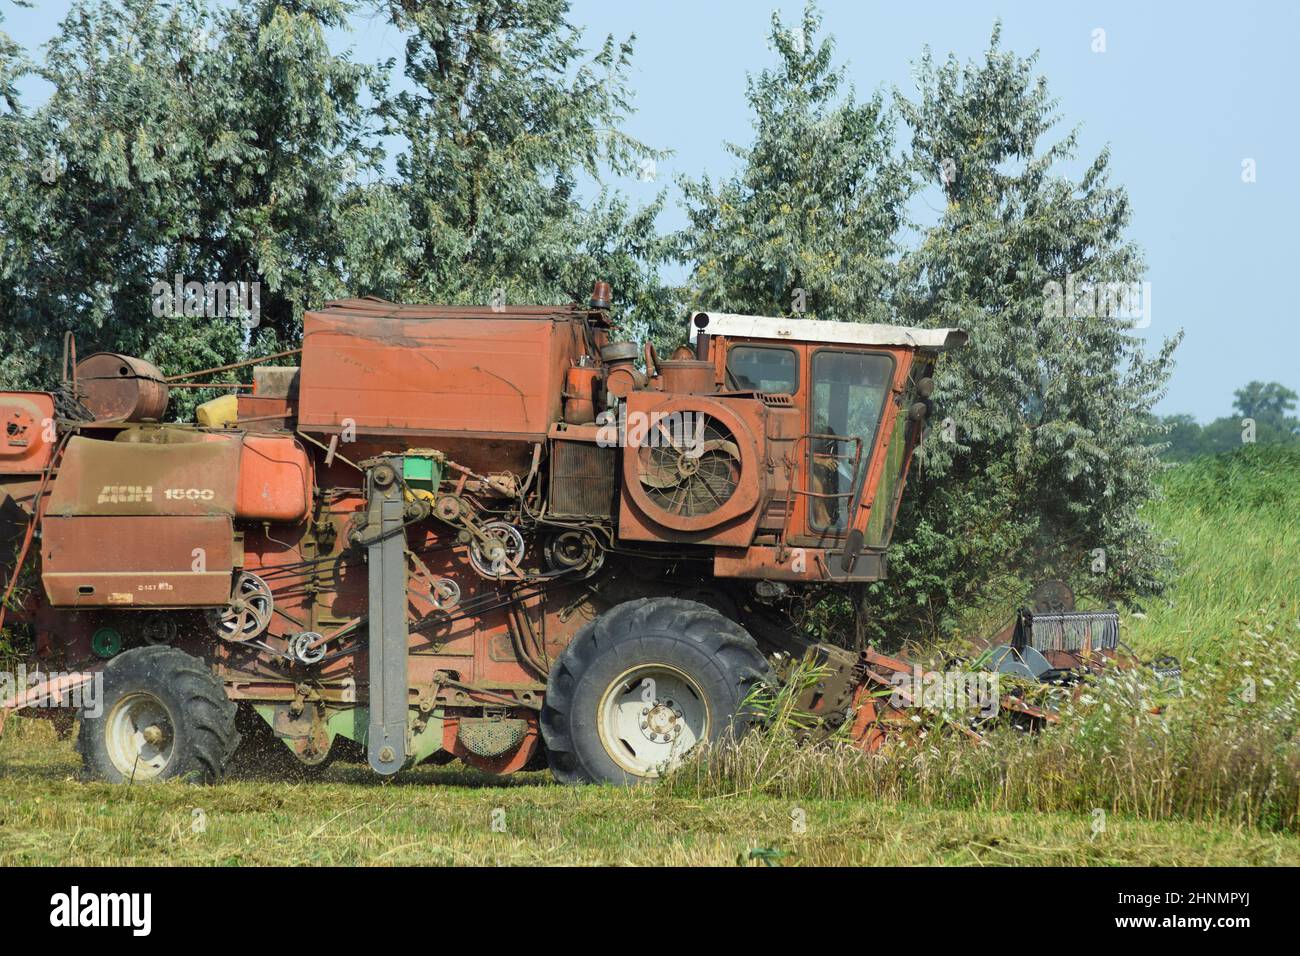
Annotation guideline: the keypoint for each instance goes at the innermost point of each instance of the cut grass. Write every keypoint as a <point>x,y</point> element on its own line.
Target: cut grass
<point>444,816</point>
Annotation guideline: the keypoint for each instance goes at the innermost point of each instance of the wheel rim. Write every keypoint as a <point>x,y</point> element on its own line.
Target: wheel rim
<point>650,717</point>
<point>140,736</point>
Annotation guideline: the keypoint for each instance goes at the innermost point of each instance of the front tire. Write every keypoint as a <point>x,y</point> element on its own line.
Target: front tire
<point>641,685</point>
<point>163,716</point>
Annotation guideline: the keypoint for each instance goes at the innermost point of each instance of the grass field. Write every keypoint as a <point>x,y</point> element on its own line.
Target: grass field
<point>441,816</point>
<point>1236,522</point>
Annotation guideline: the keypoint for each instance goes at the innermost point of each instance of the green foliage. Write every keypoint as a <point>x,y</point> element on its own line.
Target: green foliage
<point>1235,521</point>
<point>506,114</point>
<point>228,142</point>
<point>810,222</point>
<point>179,140</point>
<point>13,63</point>
<point>1266,402</point>
<point>1052,454</point>
<point>1182,435</point>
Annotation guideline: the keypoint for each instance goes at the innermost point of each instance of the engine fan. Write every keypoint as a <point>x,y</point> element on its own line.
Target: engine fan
<point>689,468</point>
<point>692,466</point>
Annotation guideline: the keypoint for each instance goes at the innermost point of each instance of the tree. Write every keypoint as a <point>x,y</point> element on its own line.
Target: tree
<point>13,157</point>
<point>1269,404</point>
<point>810,222</point>
<point>1183,435</point>
<point>1050,400</point>
<point>507,113</point>
<point>12,65</point>
<point>181,141</point>
<point>226,143</point>
<point>1262,417</point>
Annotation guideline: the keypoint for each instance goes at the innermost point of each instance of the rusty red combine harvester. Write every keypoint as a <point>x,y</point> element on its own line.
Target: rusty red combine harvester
<point>454,532</point>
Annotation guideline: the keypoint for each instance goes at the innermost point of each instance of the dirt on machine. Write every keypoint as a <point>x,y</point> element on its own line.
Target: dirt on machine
<point>498,535</point>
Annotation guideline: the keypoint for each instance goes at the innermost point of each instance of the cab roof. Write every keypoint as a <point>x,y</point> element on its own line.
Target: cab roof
<point>813,330</point>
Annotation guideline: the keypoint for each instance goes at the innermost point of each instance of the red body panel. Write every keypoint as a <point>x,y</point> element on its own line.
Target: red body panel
<point>136,560</point>
<point>480,386</point>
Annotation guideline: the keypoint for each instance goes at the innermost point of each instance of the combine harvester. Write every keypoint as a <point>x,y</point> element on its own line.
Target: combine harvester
<point>470,533</point>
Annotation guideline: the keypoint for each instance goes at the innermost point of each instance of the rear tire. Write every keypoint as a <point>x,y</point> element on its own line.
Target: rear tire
<point>642,684</point>
<point>163,716</point>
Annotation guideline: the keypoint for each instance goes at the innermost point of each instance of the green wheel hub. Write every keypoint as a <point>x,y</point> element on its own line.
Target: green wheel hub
<point>106,642</point>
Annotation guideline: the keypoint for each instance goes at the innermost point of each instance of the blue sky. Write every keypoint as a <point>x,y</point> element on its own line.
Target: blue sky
<point>1183,94</point>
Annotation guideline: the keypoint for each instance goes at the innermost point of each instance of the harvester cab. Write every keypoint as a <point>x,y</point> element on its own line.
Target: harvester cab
<point>492,534</point>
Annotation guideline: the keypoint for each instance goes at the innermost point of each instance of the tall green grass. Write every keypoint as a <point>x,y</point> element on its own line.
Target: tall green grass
<point>1225,748</point>
<point>1235,522</point>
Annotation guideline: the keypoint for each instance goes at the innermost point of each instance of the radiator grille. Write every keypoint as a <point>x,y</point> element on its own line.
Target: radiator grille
<point>1071,630</point>
<point>582,480</point>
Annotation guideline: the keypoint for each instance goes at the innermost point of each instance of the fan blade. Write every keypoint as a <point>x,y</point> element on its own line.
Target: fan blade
<point>719,444</point>
<point>660,480</point>
<point>654,471</point>
<point>658,474</point>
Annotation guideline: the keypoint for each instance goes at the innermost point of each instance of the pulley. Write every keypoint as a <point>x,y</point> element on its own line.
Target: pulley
<point>300,645</point>
<point>247,614</point>
<point>497,550</point>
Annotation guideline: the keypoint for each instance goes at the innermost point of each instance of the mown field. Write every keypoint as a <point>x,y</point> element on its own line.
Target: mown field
<point>1214,780</point>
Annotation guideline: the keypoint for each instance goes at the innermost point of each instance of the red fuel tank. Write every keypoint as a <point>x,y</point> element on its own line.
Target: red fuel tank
<point>275,479</point>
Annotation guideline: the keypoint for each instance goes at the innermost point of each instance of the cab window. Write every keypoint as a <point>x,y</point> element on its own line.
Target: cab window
<point>763,369</point>
<point>848,396</point>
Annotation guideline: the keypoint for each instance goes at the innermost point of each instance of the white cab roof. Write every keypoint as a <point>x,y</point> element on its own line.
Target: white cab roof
<point>812,330</point>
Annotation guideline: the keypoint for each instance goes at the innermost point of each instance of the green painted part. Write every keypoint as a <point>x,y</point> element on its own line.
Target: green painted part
<point>417,469</point>
<point>422,472</point>
<point>425,743</point>
<point>106,642</point>
<point>354,724</point>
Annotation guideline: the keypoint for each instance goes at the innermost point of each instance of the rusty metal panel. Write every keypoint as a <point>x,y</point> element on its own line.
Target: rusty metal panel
<point>258,414</point>
<point>129,478</point>
<point>795,564</point>
<point>486,373</point>
<point>137,560</point>
<point>26,432</point>
<point>275,381</point>
<point>582,479</point>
